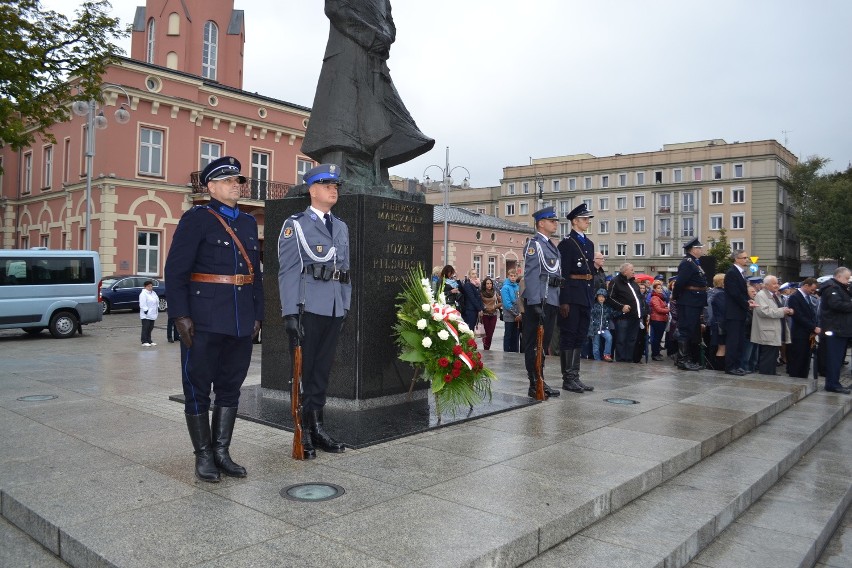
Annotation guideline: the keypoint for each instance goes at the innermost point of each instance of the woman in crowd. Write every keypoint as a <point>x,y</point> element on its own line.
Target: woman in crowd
<point>671,334</point>
<point>641,345</point>
<point>149,304</point>
<point>716,301</point>
<point>491,304</point>
<point>659,318</point>
<point>452,289</point>
<point>599,322</point>
<point>509,295</point>
<point>472,304</point>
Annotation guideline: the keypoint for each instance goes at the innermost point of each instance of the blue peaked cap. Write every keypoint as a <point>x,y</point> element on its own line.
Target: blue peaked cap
<point>329,173</point>
<point>546,213</point>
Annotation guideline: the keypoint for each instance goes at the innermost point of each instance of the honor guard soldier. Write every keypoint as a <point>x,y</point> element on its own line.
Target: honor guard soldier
<point>316,291</point>
<point>216,298</point>
<point>541,293</point>
<point>576,297</point>
<point>690,292</point>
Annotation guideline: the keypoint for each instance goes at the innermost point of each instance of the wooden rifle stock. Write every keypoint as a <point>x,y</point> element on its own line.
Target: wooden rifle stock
<point>296,403</point>
<point>539,363</point>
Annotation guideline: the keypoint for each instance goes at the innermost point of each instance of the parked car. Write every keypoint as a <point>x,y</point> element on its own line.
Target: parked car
<point>121,292</point>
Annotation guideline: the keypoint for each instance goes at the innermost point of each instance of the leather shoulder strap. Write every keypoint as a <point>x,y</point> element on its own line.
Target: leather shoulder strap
<point>236,240</point>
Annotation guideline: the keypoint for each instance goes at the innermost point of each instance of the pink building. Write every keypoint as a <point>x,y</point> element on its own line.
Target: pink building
<point>478,241</point>
<point>182,86</point>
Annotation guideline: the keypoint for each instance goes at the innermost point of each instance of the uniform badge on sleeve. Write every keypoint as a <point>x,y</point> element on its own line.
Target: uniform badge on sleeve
<point>288,232</point>
<point>530,251</point>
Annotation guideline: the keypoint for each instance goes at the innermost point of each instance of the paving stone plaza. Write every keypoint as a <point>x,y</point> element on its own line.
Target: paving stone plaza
<point>707,470</point>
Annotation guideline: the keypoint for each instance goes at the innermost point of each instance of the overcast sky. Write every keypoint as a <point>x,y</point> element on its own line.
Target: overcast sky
<point>499,81</point>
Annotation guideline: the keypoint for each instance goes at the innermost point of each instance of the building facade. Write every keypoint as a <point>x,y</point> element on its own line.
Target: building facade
<point>181,86</point>
<point>647,205</point>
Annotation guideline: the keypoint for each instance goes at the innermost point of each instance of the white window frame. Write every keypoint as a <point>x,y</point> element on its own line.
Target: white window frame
<point>737,245</point>
<point>603,226</point>
<point>716,222</point>
<point>664,202</point>
<point>564,228</point>
<point>734,218</point>
<point>717,172</point>
<point>525,188</point>
<point>621,249</point>
<point>658,175</point>
<point>621,226</point>
<point>677,175</point>
<point>303,165</point>
<point>640,178</point>
<point>683,230</point>
<point>511,189</point>
<point>665,249</point>
<point>151,151</point>
<point>741,167</point>
<point>565,206</point>
<point>588,202</point>
<point>554,186</point>
<point>684,207</point>
<point>622,179</point>
<point>523,208</point>
<point>207,153</point>
<point>492,266</point>
<point>639,201</point>
<point>665,233</point>
<point>636,250</point>
<point>260,170</point>
<point>698,173</point>
<point>603,248</point>
<point>28,173</point>
<point>47,167</point>
<point>603,204</point>
<point>587,182</point>
<point>738,189</point>
<point>717,192</point>
<point>572,184</point>
<point>477,264</point>
<point>605,181</point>
<point>210,50</point>
<point>149,249</point>
<point>620,202</point>
<point>149,41</point>
<point>639,225</point>
<point>510,209</point>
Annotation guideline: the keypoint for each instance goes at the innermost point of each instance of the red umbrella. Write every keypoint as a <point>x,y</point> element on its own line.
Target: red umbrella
<point>644,277</point>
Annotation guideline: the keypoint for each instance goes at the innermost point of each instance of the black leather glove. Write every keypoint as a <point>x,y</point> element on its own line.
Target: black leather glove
<point>256,329</point>
<point>186,329</point>
<point>294,328</point>
<point>537,310</point>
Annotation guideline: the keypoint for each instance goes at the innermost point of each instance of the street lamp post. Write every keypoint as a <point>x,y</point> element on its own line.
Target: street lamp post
<point>445,187</point>
<point>96,121</point>
<point>539,181</point>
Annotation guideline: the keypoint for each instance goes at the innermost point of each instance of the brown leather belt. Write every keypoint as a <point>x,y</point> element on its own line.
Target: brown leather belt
<point>580,276</point>
<point>235,280</point>
<point>695,288</point>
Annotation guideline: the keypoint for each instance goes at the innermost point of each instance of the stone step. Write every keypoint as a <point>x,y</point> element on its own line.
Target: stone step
<point>671,524</point>
<point>791,524</point>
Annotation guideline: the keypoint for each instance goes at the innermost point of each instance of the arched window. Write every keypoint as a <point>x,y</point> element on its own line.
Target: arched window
<point>172,60</point>
<point>149,54</point>
<point>174,24</point>
<point>210,51</point>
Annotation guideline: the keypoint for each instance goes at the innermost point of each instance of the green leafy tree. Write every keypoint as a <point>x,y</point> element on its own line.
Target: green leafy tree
<point>721,250</point>
<point>46,61</point>
<point>823,204</point>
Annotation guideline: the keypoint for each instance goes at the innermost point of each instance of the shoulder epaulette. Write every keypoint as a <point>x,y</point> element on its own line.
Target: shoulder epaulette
<point>297,215</point>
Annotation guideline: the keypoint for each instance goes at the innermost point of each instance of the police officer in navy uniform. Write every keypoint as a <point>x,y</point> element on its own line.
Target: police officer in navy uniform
<point>316,292</point>
<point>576,297</point>
<point>541,293</point>
<point>690,292</point>
<point>216,298</point>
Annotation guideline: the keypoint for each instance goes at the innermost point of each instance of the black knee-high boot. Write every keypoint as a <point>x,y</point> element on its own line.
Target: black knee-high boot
<point>199,432</point>
<point>223,430</point>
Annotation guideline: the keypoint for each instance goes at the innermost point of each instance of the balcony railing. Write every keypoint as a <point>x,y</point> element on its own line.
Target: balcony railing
<point>664,233</point>
<point>665,209</point>
<point>257,189</point>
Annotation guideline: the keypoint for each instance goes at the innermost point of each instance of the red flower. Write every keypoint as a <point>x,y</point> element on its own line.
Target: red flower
<point>471,342</point>
<point>479,355</point>
<point>457,349</point>
<point>447,378</point>
<point>457,364</point>
<point>443,361</point>
<point>456,373</point>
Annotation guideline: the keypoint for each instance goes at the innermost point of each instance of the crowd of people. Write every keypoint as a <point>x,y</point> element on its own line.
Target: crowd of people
<point>728,321</point>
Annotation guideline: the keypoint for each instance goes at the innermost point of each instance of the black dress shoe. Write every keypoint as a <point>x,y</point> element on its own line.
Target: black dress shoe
<point>550,391</point>
<point>531,393</point>
<point>841,390</point>
<point>584,386</point>
<point>737,372</point>
<point>572,386</point>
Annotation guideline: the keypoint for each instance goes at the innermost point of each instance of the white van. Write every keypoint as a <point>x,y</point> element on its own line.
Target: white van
<point>42,289</point>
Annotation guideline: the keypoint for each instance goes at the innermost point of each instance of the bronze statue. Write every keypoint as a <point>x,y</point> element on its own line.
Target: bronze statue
<point>358,120</point>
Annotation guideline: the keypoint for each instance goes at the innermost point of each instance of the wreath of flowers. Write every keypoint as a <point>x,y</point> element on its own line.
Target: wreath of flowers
<point>434,338</point>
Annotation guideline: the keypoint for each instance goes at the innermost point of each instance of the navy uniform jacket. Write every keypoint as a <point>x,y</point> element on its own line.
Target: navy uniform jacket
<point>690,273</point>
<point>577,258</point>
<point>201,244</point>
<point>303,242</point>
<point>736,290</point>
<point>541,265</point>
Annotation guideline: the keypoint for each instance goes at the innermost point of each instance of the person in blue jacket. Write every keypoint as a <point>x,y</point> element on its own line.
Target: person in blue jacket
<point>216,298</point>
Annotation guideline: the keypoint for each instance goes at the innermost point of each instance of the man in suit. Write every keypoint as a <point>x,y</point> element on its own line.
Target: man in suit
<point>690,293</point>
<point>540,290</point>
<point>804,325</point>
<point>216,298</point>
<point>316,293</point>
<point>576,297</point>
<point>769,327</point>
<point>737,306</point>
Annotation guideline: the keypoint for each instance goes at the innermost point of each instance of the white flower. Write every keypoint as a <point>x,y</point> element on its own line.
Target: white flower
<point>463,327</point>
<point>454,316</point>
<point>427,342</point>
<point>426,307</point>
<point>437,316</point>
<point>425,282</point>
<point>441,298</point>
<point>443,334</point>
<point>421,324</point>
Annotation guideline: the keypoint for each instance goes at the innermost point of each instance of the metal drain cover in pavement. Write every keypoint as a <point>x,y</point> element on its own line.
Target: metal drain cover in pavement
<point>312,491</point>
<point>37,397</point>
<point>621,401</point>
